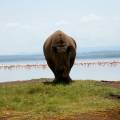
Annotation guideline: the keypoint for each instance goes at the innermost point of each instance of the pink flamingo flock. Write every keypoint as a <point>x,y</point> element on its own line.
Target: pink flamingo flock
<point>20,66</point>
<point>99,63</point>
<point>44,66</point>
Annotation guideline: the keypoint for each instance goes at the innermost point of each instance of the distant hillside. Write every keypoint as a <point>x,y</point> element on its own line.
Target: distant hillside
<point>98,49</point>
<point>5,58</point>
<point>80,55</point>
<point>99,54</point>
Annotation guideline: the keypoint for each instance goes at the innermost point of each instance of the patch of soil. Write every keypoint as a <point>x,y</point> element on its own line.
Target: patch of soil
<point>114,96</point>
<point>113,114</point>
<point>115,84</point>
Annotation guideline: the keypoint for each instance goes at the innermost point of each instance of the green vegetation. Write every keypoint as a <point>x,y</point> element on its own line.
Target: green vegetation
<point>37,100</point>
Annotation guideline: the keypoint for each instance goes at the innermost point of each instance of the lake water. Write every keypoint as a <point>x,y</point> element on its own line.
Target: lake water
<point>78,72</point>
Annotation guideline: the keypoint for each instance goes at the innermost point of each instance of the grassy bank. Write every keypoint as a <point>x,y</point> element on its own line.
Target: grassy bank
<point>38,100</point>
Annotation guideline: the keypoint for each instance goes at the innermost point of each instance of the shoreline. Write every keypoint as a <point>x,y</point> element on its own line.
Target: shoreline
<point>49,80</point>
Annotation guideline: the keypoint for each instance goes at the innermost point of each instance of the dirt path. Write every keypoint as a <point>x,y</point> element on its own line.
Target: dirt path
<point>113,114</point>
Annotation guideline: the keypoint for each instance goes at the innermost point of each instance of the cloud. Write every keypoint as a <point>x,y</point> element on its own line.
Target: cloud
<point>12,24</point>
<point>116,18</point>
<point>91,18</point>
<point>17,25</point>
<point>62,23</point>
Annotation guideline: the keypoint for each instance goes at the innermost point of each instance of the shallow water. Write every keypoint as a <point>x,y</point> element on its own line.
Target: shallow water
<point>84,71</point>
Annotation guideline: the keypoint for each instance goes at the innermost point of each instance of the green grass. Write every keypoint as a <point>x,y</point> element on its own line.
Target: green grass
<point>36,100</point>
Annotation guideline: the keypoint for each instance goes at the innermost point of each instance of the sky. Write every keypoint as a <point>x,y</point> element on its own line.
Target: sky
<point>26,24</point>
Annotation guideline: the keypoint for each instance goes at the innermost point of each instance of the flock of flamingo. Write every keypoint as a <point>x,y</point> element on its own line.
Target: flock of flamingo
<point>99,63</point>
<point>44,66</point>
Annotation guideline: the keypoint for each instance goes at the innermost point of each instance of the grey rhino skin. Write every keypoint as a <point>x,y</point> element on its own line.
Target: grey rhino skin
<point>60,52</point>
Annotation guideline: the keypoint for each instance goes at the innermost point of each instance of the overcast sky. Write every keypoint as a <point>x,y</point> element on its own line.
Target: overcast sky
<point>25,24</point>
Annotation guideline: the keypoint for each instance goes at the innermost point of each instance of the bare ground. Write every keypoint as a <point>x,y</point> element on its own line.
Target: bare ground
<point>113,114</point>
<point>115,84</point>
